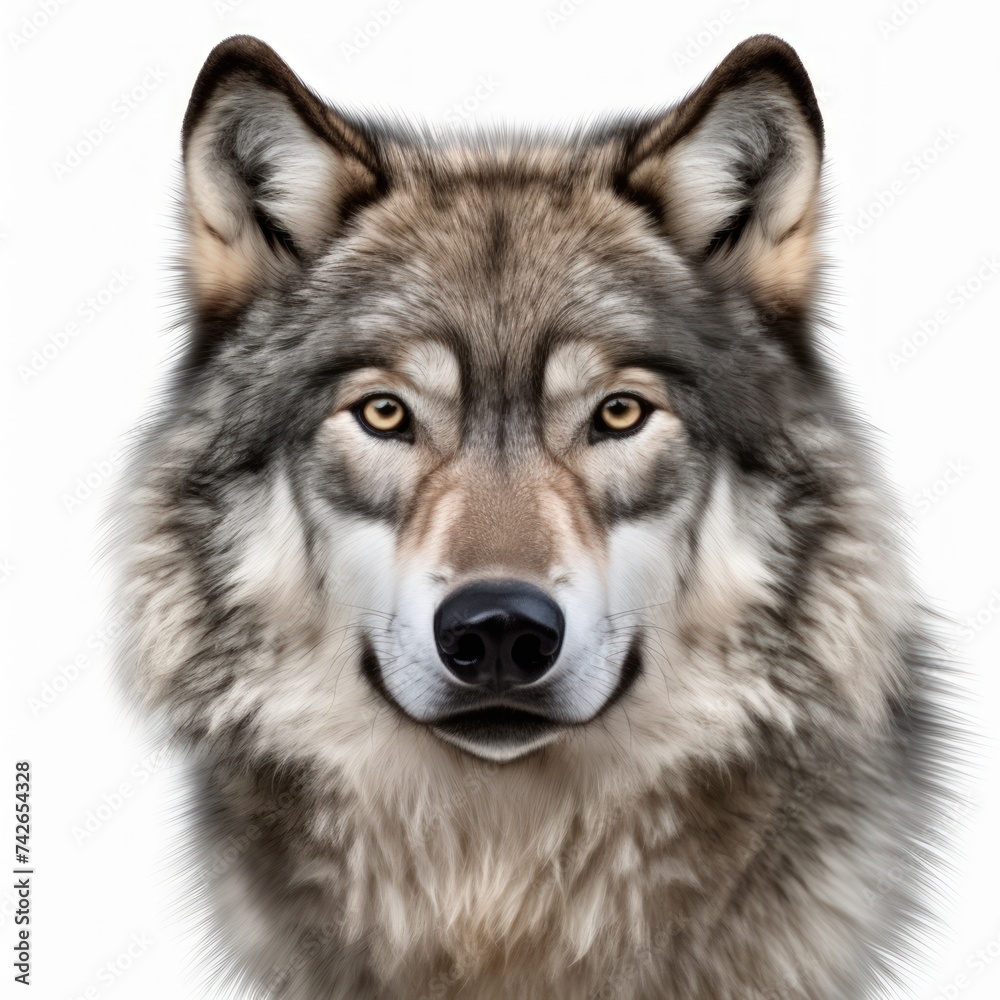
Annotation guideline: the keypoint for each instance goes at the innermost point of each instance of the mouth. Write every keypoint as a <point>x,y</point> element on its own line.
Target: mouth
<point>504,732</point>
<point>497,733</point>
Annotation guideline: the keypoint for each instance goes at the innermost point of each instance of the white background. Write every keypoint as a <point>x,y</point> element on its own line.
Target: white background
<point>911,226</point>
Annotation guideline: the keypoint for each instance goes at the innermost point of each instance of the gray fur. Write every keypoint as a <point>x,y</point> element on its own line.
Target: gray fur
<point>743,739</point>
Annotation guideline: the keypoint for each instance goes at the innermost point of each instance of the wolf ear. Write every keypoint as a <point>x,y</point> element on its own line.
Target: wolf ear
<point>732,173</point>
<point>270,173</point>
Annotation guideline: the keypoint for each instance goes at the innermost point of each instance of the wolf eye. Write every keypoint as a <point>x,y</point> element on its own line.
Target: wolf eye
<point>619,414</point>
<point>383,414</point>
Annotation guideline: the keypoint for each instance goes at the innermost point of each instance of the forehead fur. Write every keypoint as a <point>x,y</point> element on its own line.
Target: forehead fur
<point>504,250</point>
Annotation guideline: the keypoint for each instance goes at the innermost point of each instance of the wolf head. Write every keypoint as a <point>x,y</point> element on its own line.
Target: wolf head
<point>502,440</point>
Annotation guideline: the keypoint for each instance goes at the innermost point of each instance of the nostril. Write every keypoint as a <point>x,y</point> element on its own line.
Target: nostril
<point>528,655</point>
<point>468,650</point>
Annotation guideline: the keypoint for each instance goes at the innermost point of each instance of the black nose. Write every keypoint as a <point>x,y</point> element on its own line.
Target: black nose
<point>500,632</point>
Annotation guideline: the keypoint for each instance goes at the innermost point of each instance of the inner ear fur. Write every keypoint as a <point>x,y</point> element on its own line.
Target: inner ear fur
<point>732,173</point>
<point>271,173</point>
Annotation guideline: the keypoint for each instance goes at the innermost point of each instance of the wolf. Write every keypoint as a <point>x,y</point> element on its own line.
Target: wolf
<point>507,559</point>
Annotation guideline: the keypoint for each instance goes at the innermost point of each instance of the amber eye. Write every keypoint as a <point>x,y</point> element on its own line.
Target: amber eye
<point>618,414</point>
<point>383,414</point>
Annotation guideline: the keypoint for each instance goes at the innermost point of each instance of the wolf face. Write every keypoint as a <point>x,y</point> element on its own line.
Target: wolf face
<point>519,448</point>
